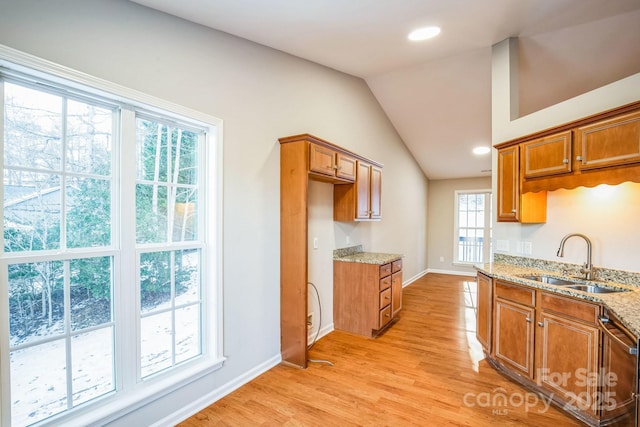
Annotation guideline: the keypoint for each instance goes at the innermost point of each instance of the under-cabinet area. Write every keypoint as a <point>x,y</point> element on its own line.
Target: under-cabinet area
<point>600,149</point>
<point>565,345</point>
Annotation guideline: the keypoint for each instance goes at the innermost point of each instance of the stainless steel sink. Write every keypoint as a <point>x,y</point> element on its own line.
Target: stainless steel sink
<point>596,289</point>
<point>572,284</point>
<point>550,280</point>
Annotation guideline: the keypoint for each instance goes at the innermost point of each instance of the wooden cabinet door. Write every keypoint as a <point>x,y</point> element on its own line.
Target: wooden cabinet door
<point>321,160</point>
<point>609,142</point>
<point>396,293</point>
<point>376,193</point>
<point>346,167</point>
<point>546,156</point>
<point>568,360</point>
<point>484,306</point>
<point>514,336</point>
<point>512,205</point>
<point>363,192</point>
<point>619,378</point>
<point>508,184</point>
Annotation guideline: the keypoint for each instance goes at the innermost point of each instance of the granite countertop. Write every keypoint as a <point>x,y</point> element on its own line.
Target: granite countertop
<point>357,254</point>
<point>624,305</point>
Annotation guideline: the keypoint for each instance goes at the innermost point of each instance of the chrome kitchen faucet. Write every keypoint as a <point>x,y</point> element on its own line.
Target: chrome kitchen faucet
<point>587,270</point>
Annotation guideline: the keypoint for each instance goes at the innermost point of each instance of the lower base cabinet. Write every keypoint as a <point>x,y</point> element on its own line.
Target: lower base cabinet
<point>513,343</point>
<point>569,349</point>
<point>555,345</point>
<point>366,297</point>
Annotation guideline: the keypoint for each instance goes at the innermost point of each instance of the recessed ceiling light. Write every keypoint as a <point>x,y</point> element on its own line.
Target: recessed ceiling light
<point>481,150</point>
<point>423,33</point>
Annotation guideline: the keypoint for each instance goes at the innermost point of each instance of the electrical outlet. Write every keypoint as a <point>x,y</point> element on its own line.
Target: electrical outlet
<point>310,320</point>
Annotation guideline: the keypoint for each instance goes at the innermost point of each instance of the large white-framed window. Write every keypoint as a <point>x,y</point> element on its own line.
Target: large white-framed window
<point>472,226</point>
<point>111,250</point>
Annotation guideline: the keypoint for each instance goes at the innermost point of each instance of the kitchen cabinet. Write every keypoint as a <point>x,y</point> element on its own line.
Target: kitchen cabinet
<point>568,351</point>
<point>366,297</point>
<point>513,343</point>
<point>396,287</point>
<point>484,305</point>
<point>513,205</point>
<point>362,200</point>
<point>549,155</point>
<point>610,142</point>
<point>566,348</point>
<point>302,158</point>
<point>619,376</point>
<point>325,161</point>
<point>599,149</point>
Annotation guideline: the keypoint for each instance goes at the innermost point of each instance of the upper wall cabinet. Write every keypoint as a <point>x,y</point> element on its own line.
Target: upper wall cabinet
<point>600,149</point>
<point>360,201</point>
<point>611,142</point>
<point>546,156</point>
<point>324,160</point>
<point>513,204</point>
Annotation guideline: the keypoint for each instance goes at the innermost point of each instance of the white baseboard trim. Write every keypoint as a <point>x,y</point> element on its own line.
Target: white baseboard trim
<point>414,278</point>
<point>218,393</point>
<point>323,331</point>
<point>454,272</point>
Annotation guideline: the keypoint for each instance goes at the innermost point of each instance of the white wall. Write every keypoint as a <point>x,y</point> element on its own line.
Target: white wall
<point>261,94</point>
<point>441,214</point>
<point>612,224</point>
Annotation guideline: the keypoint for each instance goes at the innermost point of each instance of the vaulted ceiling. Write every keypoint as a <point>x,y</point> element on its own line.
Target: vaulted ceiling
<point>437,93</point>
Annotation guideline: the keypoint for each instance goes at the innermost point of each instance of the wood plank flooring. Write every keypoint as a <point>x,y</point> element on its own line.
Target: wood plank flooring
<point>426,370</point>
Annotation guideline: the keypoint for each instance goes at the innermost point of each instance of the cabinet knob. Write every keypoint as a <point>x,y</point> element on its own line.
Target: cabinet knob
<point>528,319</point>
<point>565,161</point>
<point>387,315</point>
<point>541,324</point>
<point>579,158</point>
<point>513,210</point>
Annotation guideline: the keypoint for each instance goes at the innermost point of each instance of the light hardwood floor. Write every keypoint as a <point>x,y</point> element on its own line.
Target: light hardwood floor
<point>423,371</point>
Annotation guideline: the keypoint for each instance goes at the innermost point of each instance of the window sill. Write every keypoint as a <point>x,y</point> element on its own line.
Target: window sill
<point>113,408</point>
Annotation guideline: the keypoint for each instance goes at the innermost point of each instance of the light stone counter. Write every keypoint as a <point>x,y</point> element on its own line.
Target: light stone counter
<point>356,254</point>
<point>624,305</point>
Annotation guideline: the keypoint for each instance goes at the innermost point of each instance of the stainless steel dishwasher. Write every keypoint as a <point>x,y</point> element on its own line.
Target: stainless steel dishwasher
<point>619,380</point>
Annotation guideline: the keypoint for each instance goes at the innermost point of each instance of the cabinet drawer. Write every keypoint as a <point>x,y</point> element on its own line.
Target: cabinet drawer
<point>396,266</point>
<point>385,298</point>
<point>571,308</point>
<point>385,283</point>
<point>385,316</point>
<point>385,270</point>
<point>516,293</point>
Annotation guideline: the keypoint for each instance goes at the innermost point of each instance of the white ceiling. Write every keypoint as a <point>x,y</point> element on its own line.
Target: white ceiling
<point>436,93</point>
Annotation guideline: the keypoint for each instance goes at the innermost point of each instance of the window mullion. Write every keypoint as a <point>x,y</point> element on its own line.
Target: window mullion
<point>68,333</point>
<point>63,175</point>
<point>127,296</point>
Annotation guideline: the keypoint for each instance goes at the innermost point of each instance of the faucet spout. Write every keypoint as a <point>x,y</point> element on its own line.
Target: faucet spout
<point>587,270</point>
